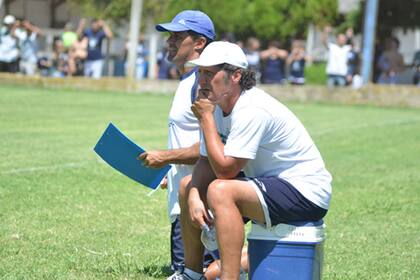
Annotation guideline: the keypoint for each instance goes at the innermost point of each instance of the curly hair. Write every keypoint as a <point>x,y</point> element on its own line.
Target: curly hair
<point>248,78</point>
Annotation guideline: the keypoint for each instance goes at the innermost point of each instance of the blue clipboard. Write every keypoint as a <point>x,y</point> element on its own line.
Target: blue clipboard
<point>121,153</point>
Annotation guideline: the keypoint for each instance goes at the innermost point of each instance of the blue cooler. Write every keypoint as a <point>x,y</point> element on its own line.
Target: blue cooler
<point>291,251</point>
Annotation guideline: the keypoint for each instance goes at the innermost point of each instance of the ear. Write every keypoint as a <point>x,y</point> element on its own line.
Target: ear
<point>199,44</point>
<point>236,76</point>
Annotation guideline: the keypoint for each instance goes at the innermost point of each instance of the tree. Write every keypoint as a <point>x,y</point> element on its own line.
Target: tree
<point>266,19</point>
<point>119,10</point>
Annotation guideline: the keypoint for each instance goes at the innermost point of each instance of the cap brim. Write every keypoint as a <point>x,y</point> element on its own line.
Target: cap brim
<point>202,63</point>
<point>172,27</point>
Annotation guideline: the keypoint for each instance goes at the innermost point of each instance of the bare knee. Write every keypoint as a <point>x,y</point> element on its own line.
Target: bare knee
<point>218,193</point>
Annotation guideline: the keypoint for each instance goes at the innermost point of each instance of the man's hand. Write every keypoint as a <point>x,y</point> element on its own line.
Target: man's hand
<point>164,183</point>
<point>202,105</point>
<point>198,213</point>
<point>153,159</point>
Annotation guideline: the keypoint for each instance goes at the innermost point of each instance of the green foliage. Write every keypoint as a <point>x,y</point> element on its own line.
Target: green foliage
<point>266,19</point>
<point>119,10</point>
<point>315,74</point>
<point>64,214</point>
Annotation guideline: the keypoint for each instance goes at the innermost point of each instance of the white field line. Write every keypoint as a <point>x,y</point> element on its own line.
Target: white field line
<point>70,165</point>
<point>73,165</point>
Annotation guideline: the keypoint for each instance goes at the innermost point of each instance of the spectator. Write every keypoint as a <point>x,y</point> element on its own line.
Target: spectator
<point>29,48</point>
<point>252,52</point>
<point>416,65</point>
<point>391,62</point>
<point>379,50</point>
<point>68,36</point>
<point>9,49</point>
<point>296,63</point>
<point>98,31</point>
<point>338,53</point>
<point>274,63</point>
<point>77,56</point>
<point>166,68</point>
<point>352,58</point>
<point>59,66</point>
<point>141,58</point>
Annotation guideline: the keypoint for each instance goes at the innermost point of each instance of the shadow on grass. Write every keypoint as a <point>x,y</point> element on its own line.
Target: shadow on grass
<point>156,271</point>
<point>153,270</point>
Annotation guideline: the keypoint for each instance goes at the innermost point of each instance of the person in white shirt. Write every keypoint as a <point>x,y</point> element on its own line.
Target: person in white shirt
<point>29,48</point>
<point>9,45</point>
<point>246,129</point>
<point>190,32</point>
<point>337,63</point>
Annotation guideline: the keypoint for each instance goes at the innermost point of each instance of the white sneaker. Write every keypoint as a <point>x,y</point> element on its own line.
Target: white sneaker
<point>243,275</point>
<point>182,276</point>
<point>174,276</point>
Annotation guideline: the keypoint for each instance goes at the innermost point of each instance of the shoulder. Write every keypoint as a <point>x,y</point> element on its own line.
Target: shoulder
<point>254,104</point>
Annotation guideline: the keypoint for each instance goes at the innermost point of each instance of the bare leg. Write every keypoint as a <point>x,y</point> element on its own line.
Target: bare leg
<point>198,182</point>
<point>229,201</point>
<point>193,248</point>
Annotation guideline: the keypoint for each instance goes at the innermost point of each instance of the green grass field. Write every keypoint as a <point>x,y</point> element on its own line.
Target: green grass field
<point>66,215</point>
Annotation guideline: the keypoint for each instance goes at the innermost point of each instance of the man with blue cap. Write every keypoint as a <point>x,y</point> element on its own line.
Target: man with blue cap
<point>190,32</point>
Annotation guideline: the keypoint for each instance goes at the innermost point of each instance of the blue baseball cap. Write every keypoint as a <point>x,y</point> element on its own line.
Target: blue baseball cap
<point>196,21</point>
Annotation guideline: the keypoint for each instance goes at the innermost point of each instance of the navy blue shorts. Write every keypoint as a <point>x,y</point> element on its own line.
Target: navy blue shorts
<point>283,203</point>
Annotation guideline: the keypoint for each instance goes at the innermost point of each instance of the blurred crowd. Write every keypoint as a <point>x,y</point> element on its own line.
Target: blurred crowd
<point>78,52</point>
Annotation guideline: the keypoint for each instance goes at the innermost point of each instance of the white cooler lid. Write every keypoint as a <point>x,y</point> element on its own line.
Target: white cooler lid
<point>288,233</point>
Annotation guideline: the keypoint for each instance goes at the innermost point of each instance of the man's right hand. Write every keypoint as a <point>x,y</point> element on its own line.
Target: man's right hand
<point>198,213</point>
<point>153,159</point>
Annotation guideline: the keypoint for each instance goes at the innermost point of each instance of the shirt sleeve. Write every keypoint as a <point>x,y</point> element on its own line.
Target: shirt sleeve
<point>247,132</point>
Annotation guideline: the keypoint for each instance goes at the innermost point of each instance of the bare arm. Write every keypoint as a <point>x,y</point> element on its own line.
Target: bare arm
<point>282,53</point>
<point>157,159</point>
<point>224,167</point>
<point>81,27</point>
<point>291,57</point>
<point>325,34</point>
<point>106,29</point>
<point>266,53</point>
<point>33,28</point>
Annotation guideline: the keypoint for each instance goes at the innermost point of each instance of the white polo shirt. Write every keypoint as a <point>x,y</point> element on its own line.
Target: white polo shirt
<point>183,133</point>
<point>276,143</point>
<point>337,59</point>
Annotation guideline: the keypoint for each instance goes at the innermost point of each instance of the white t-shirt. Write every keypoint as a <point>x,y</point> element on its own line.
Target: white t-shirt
<point>9,51</point>
<point>276,143</point>
<point>337,59</point>
<point>183,132</point>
